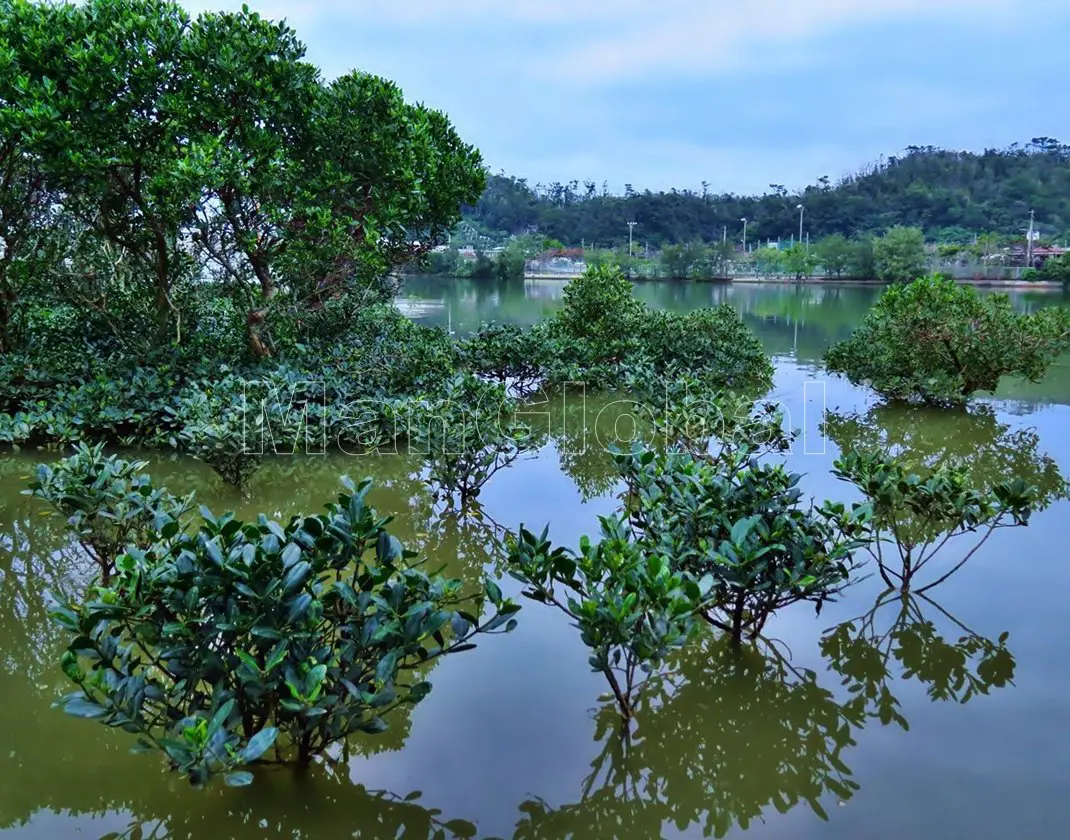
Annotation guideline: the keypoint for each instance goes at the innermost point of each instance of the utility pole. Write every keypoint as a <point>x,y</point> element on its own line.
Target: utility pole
<point>724,234</point>
<point>801,210</point>
<point>744,236</point>
<point>631,227</point>
<point>1029,241</point>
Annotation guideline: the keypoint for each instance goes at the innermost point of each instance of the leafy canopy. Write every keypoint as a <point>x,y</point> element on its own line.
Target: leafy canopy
<point>218,645</point>
<point>934,341</point>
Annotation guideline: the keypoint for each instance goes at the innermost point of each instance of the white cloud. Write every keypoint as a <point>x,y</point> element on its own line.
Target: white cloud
<point>607,40</point>
<point>708,38</point>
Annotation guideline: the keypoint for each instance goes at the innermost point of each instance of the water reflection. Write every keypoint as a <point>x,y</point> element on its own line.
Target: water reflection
<point>724,740</point>
<point>280,806</point>
<point>972,439</point>
<point>898,634</point>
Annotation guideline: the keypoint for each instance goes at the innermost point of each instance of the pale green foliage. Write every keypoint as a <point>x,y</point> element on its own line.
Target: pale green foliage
<point>799,262</point>
<point>833,254</point>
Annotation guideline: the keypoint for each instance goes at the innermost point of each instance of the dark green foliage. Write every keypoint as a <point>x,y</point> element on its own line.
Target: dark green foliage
<point>712,344</point>
<point>910,517</point>
<point>511,355</point>
<point>109,503</point>
<point>606,338</point>
<point>601,311</point>
<point>630,606</point>
<point>973,440</point>
<point>218,425</point>
<point>937,190</point>
<point>739,524</point>
<point>1054,270</point>
<point>465,436</point>
<point>181,149</point>
<point>243,642</point>
<point>936,342</point>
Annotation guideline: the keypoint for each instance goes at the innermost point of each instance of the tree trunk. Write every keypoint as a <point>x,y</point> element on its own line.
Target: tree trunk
<point>162,287</point>
<point>256,317</point>
<point>7,307</point>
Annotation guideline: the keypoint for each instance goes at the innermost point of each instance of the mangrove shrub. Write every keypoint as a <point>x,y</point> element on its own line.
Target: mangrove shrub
<point>934,341</point>
<point>243,642</point>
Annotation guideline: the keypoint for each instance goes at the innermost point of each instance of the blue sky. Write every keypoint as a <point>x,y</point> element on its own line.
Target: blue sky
<point>669,93</point>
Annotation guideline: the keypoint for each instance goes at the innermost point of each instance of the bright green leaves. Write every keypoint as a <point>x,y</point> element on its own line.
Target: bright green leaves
<point>631,609</point>
<point>913,516</point>
<point>934,341</point>
<point>899,256</point>
<point>224,642</point>
<point>739,527</point>
<point>109,503</point>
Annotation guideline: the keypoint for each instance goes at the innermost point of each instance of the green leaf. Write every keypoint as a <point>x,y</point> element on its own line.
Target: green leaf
<point>384,671</point>
<point>374,726</point>
<point>259,744</point>
<point>388,550</point>
<point>296,576</point>
<point>220,717</point>
<point>290,555</point>
<point>83,708</point>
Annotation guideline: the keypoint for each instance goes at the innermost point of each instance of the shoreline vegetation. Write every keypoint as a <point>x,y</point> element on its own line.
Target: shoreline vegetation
<point>231,275</point>
<point>1034,285</point>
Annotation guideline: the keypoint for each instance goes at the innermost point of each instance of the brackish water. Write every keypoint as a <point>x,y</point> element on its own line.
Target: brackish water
<point>516,739</point>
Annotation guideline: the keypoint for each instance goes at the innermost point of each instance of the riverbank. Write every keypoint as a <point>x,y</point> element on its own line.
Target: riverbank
<point>994,282</point>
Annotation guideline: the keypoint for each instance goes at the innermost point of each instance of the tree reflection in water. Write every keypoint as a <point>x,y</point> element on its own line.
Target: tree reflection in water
<point>973,439</point>
<point>726,739</point>
<point>867,650</point>
<point>307,807</point>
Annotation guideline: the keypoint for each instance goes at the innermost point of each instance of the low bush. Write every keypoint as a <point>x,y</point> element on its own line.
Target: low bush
<point>245,642</point>
<point>109,503</point>
<point>934,341</point>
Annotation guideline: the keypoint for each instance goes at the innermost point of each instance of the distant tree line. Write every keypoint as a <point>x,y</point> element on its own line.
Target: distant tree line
<point>951,196</point>
<point>899,256</point>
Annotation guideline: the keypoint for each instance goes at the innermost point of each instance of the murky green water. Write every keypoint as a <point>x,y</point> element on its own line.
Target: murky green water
<point>877,719</point>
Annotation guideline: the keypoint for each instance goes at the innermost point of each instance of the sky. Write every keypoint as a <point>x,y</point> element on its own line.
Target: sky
<point>741,94</point>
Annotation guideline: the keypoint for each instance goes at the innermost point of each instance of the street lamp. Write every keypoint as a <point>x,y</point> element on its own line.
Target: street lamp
<point>801,210</point>
<point>744,236</point>
<point>631,227</point>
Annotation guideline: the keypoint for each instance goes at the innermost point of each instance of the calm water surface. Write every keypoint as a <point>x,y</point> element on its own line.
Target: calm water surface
<point>877,719</point>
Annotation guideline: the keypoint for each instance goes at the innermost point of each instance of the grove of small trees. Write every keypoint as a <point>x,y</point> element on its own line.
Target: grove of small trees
<point>143,151</point>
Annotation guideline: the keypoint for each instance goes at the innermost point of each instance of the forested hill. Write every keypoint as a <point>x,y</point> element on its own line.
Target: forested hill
<point>951,195</point>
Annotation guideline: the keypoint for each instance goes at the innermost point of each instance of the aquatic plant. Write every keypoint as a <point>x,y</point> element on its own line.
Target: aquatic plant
<point>934,341</point>
<point>740,525</point>
<point>631,607</point>
<point>465,436</point>
<point>911,517</point>
<point>245,642</point>
<point>110,503</point>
